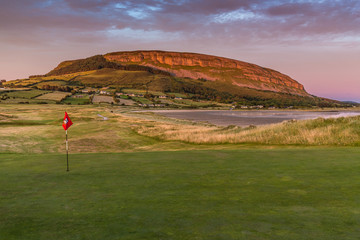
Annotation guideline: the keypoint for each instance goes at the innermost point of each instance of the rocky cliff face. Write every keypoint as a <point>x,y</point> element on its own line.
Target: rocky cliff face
<point>211,68</point>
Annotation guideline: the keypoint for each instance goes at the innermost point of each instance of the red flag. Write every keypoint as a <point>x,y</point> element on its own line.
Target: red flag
<point>67,122</point>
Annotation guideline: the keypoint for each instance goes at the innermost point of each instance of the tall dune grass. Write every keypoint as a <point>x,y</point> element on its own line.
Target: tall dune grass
<point>332,131</point>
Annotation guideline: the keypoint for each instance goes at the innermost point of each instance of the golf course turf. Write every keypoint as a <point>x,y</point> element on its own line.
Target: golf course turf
<point>288,193</point>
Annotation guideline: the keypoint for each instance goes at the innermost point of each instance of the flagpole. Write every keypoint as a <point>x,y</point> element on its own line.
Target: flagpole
<point>67,153</point>
<point>66,124</point>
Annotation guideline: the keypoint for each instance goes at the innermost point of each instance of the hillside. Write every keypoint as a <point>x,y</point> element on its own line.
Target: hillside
<point>211,68</point>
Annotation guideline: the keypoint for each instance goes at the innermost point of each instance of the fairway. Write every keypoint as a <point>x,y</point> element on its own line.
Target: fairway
<point>294,193</point>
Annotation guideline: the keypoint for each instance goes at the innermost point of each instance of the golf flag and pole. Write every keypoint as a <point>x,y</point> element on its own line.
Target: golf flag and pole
<point>66,124</point>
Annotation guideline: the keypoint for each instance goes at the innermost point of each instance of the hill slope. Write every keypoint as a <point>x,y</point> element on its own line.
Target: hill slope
<point>212,68</point>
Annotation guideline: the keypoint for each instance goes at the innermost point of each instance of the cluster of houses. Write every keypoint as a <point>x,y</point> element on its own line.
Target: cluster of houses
<point>151,105</point>
<point>108,93</point>
<point>129,94</point>
<point>252,107</point>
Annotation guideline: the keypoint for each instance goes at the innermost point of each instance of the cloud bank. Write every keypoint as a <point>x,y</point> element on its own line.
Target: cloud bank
<point>231,20</point>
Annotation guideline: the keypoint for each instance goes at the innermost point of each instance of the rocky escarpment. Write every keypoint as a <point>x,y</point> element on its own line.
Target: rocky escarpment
<point>200,66</point>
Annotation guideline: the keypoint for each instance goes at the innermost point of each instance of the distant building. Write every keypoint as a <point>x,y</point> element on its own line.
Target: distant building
<point>105,93</point>
<point>257,106</point>
<point>162,96</point>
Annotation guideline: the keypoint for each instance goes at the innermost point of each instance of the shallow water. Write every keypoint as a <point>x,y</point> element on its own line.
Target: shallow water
<point>255,117</point>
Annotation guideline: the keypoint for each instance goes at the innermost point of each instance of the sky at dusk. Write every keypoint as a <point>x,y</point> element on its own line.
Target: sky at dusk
<point>316,42</point>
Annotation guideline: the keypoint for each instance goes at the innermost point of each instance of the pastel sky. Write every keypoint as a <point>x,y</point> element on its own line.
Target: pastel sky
<point>316,42</point>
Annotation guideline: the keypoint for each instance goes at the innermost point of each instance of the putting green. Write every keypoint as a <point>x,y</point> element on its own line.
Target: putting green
<point>303,193</point>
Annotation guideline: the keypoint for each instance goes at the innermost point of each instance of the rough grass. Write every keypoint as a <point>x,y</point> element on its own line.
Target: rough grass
<point>257,194</point>
<point>57,83</point>
<point>90,133</point>
<point>332,131</point>
<point>108,77</point>
<point>37,129</point>
<point>38,80</point>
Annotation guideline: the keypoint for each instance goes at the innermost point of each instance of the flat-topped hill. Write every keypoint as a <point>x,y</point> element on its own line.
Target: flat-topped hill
<point>212,68</point>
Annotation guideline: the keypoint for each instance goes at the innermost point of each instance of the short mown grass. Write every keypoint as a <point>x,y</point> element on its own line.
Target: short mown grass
<point>239,194</point>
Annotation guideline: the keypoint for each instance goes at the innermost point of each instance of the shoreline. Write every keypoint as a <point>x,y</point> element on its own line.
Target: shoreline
<point>246,118</point>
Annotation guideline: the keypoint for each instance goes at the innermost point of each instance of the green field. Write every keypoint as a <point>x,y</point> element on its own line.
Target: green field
<point>142,100</point>
<point>138,91</point>
<point>235,194</point>
<point>54,96</point>
<point>81,100</point>
<point>28,94</point>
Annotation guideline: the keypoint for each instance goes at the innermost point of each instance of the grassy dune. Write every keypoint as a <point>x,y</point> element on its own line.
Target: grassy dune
<point>337,131</point>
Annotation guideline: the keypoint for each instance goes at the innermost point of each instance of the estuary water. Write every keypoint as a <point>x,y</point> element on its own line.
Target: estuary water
<point>253,117</point>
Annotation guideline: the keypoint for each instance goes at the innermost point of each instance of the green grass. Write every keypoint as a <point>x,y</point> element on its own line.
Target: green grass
<point>142,100</point>
<point>28,94</point>
<point>239,194</point>
<point>25,101</point>
<point>180,95</point>
<point>189,102</point>
<point>162,188</point>
<point>139,91</point>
